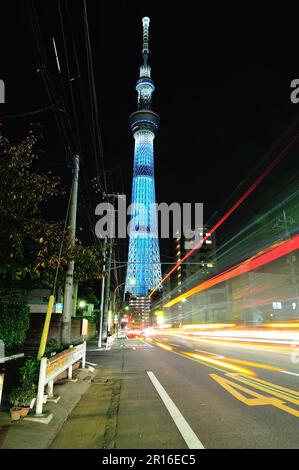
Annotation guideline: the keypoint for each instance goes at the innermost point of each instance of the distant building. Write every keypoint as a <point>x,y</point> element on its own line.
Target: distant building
<point>202,259</point>
<point>210,305</point>
<point>139,310</point>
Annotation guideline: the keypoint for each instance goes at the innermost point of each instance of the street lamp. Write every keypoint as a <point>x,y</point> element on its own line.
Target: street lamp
<point>114,296</point>
<point>82,304</point>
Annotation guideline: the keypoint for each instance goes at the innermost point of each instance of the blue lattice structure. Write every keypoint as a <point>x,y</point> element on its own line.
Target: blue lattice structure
<point>144,267</point>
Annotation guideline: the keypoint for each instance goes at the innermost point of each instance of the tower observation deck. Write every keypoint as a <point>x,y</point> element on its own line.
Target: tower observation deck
<point>144,267</point>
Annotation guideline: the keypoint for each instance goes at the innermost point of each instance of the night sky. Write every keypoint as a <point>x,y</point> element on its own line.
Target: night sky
<point>222,92</point>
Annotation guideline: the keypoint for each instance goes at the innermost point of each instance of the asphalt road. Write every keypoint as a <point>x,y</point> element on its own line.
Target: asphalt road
<point>226,396</point>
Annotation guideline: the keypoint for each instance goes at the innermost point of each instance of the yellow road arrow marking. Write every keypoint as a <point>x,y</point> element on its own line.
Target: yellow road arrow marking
<point>259,399</point>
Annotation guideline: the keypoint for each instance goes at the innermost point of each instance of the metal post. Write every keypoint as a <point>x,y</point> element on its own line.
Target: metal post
<point>114,299</point>
<point>107,291</point>
<point>102,298</point>
<point>68,288</point>
<point>44,337</point>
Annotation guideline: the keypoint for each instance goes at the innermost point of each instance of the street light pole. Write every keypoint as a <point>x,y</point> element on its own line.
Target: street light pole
<point>115,290</point>
<point>114,297</point>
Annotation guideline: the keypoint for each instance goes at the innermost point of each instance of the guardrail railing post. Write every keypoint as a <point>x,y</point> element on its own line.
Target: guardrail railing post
<point>50,389</point>
<point>70,372</point>
<point>41,386</point>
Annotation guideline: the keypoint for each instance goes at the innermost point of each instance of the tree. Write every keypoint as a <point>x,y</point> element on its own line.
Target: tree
<point>29,244</point>
<point>23,232</point>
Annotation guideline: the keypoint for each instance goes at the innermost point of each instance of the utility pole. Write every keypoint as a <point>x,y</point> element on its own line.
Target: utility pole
<point>102,297</point>
<point>107,292</point>
<point>69,279</point>
<point>108,278</point>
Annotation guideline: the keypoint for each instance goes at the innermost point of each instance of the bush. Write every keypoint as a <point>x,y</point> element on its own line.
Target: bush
<point>15,397</point>
<point>21,396</point>
<point>14,320</point>
<point>30,372</point>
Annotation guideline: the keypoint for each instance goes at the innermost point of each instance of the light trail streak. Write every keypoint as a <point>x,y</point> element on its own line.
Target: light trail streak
<point>217,362</point>
<point>164,346</point>
<point>257,182</point>
<point>206,326</point>
<point>259,343</point>
<point>264,257</point>
<point>258,365</point>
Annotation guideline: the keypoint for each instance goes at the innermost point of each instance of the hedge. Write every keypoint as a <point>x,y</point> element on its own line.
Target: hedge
<point>14,320</point>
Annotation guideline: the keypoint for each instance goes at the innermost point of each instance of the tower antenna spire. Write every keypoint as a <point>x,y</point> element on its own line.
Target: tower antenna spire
<point>145,49</point>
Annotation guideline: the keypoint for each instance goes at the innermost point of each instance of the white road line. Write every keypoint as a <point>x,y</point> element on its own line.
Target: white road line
<point>211,354</point>
<point>150,345</point>
<point>98,349</point>
<point>173,344</point>
<point>187,433</point>
<point>287,372</point>
<point>91,363</point>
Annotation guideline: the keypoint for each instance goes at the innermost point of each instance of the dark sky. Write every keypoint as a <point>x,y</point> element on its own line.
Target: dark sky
<point>222,90</point>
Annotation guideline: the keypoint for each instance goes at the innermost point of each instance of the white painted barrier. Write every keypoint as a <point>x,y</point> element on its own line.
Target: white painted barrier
<point>53,367</point>
<point>1,385</point>
<point>11,358</point>
<point>109,341</point>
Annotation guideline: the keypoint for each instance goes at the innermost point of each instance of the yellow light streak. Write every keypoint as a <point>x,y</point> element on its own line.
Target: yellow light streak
<point>217,362</point>
<point>254,364</point>
<point>164,346</point>
<point>206,326</point>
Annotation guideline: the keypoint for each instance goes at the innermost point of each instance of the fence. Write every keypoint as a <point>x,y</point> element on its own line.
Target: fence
<point>53,367</point>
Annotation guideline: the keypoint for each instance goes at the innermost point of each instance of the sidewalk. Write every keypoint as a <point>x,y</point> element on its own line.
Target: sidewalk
<point>31,435</point>
<point>115,407</point>
<point>92,423</point>
<point>121,409</point>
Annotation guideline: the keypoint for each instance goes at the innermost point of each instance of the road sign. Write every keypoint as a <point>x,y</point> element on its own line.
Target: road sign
<point>58,307</point>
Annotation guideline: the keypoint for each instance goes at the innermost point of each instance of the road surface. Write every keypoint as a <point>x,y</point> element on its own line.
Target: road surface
<point>171,393</point>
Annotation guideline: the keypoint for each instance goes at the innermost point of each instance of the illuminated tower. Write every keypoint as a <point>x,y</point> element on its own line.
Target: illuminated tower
<point>144,268</point>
